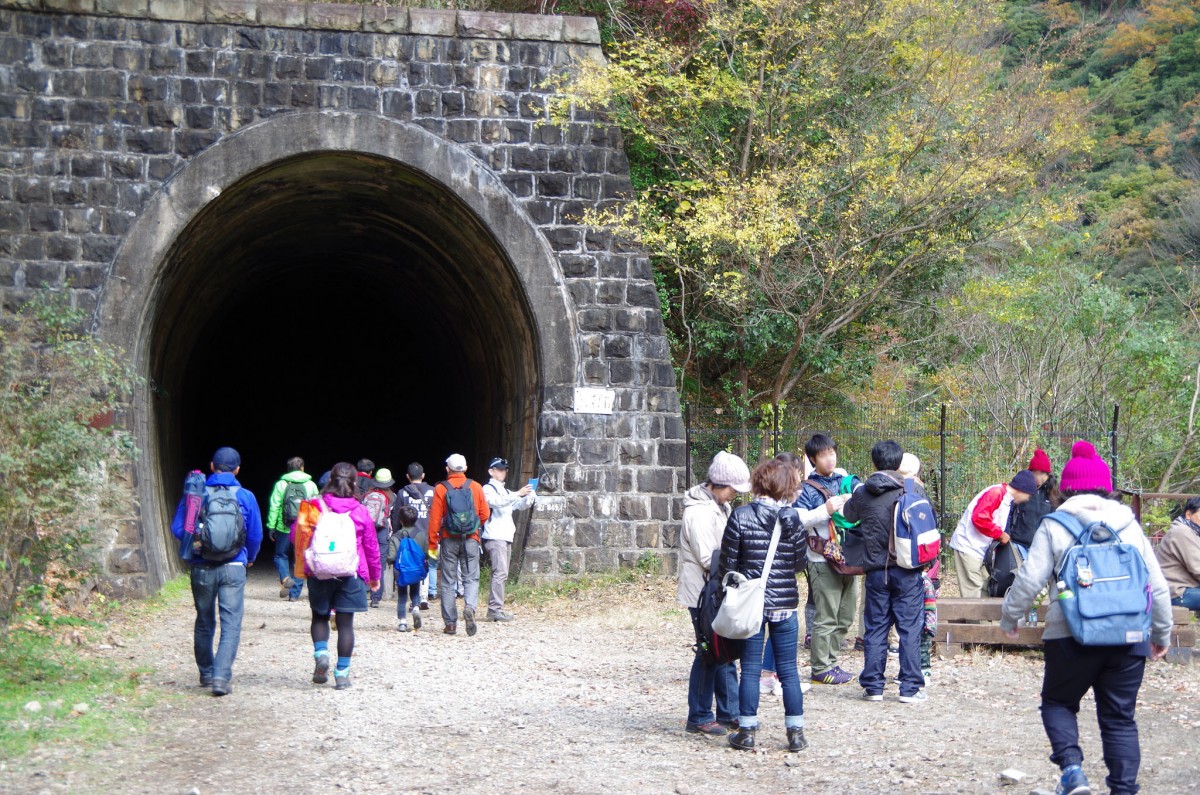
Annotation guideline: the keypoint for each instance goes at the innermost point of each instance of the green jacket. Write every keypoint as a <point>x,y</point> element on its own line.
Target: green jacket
<point>275,506</point>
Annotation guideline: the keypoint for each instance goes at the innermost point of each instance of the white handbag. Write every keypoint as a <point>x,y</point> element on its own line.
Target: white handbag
<point>741,612</point>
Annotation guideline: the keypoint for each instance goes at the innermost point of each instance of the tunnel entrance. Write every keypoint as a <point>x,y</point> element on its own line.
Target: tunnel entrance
<point>336,305</point>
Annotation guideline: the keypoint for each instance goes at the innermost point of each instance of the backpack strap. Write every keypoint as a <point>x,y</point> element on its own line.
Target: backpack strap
<point>824,491</point>
<point>1067,521</point>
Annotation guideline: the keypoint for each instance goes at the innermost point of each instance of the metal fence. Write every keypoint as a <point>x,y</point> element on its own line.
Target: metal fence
<point>962,451</point>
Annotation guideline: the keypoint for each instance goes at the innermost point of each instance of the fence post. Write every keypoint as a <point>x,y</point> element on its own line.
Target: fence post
<point>1112,441</point>
<point>687,443</point>
<point>942,465</point>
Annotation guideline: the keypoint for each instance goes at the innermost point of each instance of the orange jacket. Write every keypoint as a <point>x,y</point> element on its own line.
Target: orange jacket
<point>438,510</point>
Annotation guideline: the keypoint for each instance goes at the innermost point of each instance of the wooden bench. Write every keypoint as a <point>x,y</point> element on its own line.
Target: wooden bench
<point>965,622</point>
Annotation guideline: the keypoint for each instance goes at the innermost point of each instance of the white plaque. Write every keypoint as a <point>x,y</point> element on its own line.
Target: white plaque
<point>594,401</point>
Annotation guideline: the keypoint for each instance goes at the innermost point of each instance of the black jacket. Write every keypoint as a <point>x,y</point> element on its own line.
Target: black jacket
<point>744,549</point>
<point>873,505</point>
<point>1023,519</point>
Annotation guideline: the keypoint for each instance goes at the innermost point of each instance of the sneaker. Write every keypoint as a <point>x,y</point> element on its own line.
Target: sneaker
<point>469,618</point>
<point>341,682</point>
<point>859,644</point>
<point>499,615</point>
<point>450,629</point>
<point>893,651</point>
<point>321,670</point>
<point>808,641</point>
<point>221,687</point>
<point>374,603</point>
<point>869,696</point>
<point>796,741</point>
<point>834,676</point>
<point>285,587</point>
<point>712,727</point>
<point>805,687</point>
<point>743,739</point>
<point>730,725</point>
<point>914,698</point>
<point>927,673</point>
<point>1073,782</point>
<point>403,627</point>
<point>416,619</point>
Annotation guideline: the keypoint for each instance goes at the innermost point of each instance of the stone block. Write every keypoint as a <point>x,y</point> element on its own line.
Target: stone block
<point>231,12</point>
<point>599,559</point>
<point>537,27</point>
<point>659,480</point>
<point>334,16</point>
<point>588,534</point>
<point>648,535</point>
<point>176,10</point>
<point>579,506</point>
<point>127,560</point>
<point>597,451</point>
<point>432,22</point>
<point>385,19</point>
<point>484,25</point>
<point>538,535</point>
<point>670,536</point>
<point>634,508</point>
<point>538,561</point>
<point>282,14</point>
<point>137,9</point>
<point>637,453</point>
<point>70,6</point>
<point>582,30</point>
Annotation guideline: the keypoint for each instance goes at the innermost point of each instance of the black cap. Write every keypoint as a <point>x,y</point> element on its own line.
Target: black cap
<point>498,463</point>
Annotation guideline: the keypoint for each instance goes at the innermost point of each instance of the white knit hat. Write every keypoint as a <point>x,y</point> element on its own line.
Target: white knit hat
<point>727,469</point>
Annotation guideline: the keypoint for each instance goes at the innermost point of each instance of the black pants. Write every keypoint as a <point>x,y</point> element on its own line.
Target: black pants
<point>1114,674</point>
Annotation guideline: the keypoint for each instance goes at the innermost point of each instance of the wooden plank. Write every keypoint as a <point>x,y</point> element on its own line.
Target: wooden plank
<point>989,609</point>
<point>991,634</point>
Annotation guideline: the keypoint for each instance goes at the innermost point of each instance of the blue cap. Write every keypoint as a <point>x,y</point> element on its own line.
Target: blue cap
<point>226,459</point>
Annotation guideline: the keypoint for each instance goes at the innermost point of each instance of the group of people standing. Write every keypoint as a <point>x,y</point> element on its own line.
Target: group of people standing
<point>451,532</point>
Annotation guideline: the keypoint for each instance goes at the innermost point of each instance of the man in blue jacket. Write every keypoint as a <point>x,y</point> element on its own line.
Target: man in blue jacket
<point>221,583</point>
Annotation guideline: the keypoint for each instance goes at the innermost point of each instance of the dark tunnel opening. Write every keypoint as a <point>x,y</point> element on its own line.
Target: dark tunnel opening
<point>335,306</point>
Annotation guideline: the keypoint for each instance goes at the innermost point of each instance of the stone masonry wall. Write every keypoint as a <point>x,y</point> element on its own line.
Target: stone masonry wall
<point>103,101</point>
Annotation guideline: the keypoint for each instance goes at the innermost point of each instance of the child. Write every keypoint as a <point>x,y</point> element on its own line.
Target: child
<point>405,594</point>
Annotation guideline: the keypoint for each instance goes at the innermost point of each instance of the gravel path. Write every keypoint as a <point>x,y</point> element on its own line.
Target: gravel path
<point>586,695</point>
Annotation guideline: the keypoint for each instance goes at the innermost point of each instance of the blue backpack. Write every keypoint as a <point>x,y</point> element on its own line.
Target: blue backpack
<point>916,537</point>
<point>1104,587</point>
<point>410,563</point>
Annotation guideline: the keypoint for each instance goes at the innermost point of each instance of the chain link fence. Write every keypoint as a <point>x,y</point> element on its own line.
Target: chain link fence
<point>962,451</point>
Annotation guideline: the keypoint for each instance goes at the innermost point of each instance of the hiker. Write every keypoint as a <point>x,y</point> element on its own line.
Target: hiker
<point>419,495</point>
<point>342,595</point>
<point>801,465</point>
<point>706,511</point>
<point>834,595</point>
<point>982,522</point>
<point>378,502</point>
<point>1179,556</point>
<point>744,548</point>
<point>1113,673</point>
<point>363,479</point>
<point>406,593</point>
<point>910,467</point>
<point>458,510</point>
<point>282,509</point>
<point>500,530</point>
<point>220,584</point>
<point>1024,518</point>
<point>894,595</point>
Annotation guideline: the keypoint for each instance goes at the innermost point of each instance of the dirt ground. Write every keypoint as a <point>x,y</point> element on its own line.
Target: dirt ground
<point>586,695</point>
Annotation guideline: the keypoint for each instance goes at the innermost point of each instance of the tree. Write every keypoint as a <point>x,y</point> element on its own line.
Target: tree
<point>821,162</point>
<point>58,390</point>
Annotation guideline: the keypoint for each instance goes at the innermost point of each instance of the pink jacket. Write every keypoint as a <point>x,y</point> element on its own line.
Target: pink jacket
<point>368,542</point>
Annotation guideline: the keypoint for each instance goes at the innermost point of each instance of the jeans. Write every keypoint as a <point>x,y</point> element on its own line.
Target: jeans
<point>283,564</point>
<point>784,636</point>
<point>1190,599</point>
<point>768,657</point>
<point>213,588</point>
<point>407,594</point>
<point>1114,675</point>
<point>704,682</point>
<point>894,596</point>
<point>450,552</point>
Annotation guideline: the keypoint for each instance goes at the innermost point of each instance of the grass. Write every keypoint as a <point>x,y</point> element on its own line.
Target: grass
<point>54,689</point>
<point>541,593</point>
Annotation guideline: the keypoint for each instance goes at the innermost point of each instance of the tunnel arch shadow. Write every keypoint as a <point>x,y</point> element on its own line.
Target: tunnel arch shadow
<point>334,286</point>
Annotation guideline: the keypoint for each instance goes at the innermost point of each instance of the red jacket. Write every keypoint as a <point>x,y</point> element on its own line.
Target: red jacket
<point>985,510</point>
<point>437,511</point>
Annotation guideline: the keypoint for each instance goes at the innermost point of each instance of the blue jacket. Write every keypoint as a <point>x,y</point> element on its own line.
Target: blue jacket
<point>811,498</point>
<point>250,512</point>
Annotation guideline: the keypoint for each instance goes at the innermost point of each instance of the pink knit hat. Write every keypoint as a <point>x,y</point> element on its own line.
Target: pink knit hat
<point>1086,470</point>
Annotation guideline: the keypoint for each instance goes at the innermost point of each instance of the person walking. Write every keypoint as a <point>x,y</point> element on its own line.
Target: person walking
<point>454,533</point>
<point>1113,673</point>
<point>220,584</point>
<point>500,530</point>
<point>283,508</point>
<point>706,509</point>
<point>419,495</point>
<point>347,595</point>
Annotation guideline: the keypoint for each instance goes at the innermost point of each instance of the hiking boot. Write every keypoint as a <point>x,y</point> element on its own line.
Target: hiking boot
<point>403,627</point>
<point>712,727</point>
<point>341,682</point>
<point>221,687</point>
<point>285,587</point>
<point>918,697</point>
<point>469,617</point>
<point>796,741</point>
<point>731,725</point>
<point>1073,782</point>
<point>834,676</point>
<point>205,681</point>
<point>450,629</point>
<point>743,738</point>
<point>425,605</point>
<point>869,696</point>
<point>499,615</point>
<point>859,644</point>
<point>416,619</point>
<point>321,670</point>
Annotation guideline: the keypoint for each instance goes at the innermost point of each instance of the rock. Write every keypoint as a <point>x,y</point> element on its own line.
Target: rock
<point>33,706</point>
<point>682,789</point>
<point>1040,791</point>
<point>1011,776</point>
<point>81,708</point>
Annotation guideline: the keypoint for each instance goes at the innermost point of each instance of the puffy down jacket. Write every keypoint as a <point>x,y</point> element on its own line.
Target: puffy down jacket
<point>744,549</point>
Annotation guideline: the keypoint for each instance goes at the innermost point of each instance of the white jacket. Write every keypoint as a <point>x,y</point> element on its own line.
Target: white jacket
<point>703,528</point>
<point>967,538</point>
<point>500,526</point>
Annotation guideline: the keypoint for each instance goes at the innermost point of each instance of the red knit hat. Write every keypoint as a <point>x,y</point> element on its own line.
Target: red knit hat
<point>1040,462</point>
<point>1086,470</point>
